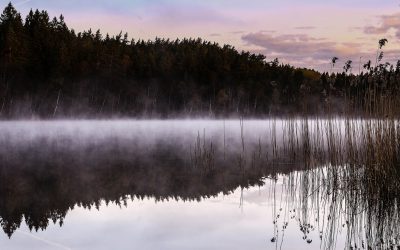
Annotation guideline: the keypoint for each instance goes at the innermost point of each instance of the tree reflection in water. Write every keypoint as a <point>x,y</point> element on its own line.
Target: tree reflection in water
<point>339,176</point>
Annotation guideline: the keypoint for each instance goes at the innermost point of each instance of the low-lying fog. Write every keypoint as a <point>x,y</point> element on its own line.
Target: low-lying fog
<point>143,136</point>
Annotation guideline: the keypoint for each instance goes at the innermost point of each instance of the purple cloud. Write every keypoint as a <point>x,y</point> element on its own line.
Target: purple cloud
<point>303,50</point>
<point>305,28</point>
<point>387,23</point>
<point>290,44</point>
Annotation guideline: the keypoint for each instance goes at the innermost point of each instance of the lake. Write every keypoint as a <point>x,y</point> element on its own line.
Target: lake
<point>199,184</point>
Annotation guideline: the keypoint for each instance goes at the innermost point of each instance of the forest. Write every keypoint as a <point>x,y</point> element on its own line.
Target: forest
<point>48,70</point>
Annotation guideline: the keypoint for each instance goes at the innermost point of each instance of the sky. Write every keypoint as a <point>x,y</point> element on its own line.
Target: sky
<point>305,33</point>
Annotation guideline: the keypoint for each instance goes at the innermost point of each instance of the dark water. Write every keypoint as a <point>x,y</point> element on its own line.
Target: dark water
<point>183,185</point>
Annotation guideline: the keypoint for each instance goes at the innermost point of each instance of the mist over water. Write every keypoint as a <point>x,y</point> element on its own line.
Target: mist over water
<point>182,184</point>
<point>99,142</point>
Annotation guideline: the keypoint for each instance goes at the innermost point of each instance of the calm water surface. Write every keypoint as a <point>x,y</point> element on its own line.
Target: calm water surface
<point>165,185</point>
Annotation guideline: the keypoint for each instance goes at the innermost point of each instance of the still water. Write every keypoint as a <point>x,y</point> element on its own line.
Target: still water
<point>188,184</point>
<point>222,222</point>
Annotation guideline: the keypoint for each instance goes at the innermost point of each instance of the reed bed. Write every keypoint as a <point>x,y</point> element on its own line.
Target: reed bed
<point>349,181</point>
<point>341,175</point>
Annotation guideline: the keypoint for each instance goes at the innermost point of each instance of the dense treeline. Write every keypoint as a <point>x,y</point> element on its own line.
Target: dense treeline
<point>48,70</point>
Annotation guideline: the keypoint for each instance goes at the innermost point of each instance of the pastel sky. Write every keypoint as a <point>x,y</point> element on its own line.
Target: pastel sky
<point>305,33</point>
